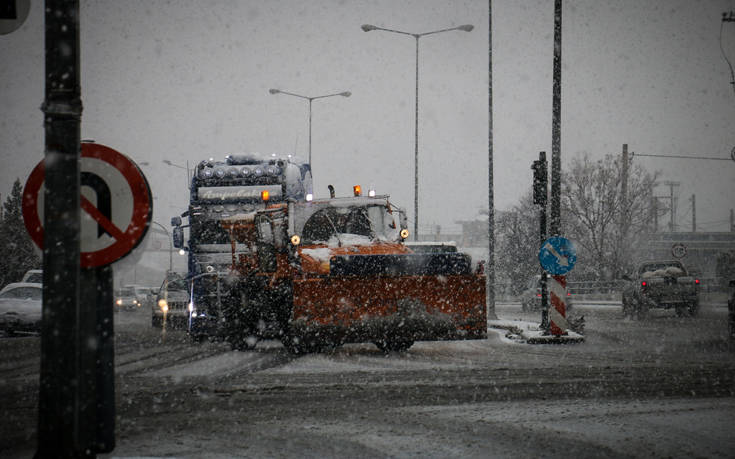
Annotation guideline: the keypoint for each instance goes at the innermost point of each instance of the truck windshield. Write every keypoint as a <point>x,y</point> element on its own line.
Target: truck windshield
<point>178,284</point>
<point>350,224</point>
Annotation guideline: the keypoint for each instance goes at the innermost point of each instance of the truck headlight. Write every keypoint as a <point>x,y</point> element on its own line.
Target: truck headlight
<point>404,233</point>
<point>295,239</point>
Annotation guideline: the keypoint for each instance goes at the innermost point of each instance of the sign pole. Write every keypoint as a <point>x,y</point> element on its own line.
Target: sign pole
<point>104,363</point>
<point>540,197</point>
<point>103,235</point>
<point>59,422</point>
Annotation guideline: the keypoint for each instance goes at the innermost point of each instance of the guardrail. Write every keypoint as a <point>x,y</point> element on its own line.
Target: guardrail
<point>507,291</point>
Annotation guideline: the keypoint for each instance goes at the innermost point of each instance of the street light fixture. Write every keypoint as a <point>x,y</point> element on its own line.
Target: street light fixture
<point>463,28</point>
<point>170,246</point>
<point>310,99</point>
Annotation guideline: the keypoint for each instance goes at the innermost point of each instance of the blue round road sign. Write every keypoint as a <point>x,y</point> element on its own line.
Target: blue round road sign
<point>557,255</point>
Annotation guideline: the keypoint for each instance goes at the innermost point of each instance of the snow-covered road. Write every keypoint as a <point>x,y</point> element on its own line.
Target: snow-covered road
<point>660,387</point>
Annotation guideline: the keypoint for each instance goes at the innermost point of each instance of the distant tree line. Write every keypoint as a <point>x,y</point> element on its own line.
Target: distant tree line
<point>18,253</point>
<point>606,226</point>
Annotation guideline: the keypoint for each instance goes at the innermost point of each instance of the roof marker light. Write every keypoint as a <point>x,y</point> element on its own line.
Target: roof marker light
<point>404,233</point>
<point>295,239</point>
<point>265,195</point>
<point>309,197</point>
<point>357,190</point>
<point>371,193</point>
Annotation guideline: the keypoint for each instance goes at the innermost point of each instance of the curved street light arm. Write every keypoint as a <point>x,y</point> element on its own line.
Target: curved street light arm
<point>343,94</point>
<point>464,28</point>
<point>279,91</point>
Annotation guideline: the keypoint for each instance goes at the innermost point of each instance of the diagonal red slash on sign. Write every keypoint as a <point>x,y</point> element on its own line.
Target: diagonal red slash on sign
<point>93,212</point>
<point>133,191</point>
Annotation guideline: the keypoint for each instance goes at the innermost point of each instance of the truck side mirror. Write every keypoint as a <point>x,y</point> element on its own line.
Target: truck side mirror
<point>265,232</point>
<point>178,237</point>
<point>175,221</point>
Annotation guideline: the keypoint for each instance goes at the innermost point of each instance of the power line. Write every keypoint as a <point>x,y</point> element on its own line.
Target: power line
<point>682,156</point>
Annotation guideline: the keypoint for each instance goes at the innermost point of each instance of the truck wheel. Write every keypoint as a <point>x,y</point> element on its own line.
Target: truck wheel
<point>300,345</point>
<point>393,344</point>
<point>243,342</point>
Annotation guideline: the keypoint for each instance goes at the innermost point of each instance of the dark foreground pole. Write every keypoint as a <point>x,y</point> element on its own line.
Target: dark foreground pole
<point>99,355</point>
<point>59,432</point>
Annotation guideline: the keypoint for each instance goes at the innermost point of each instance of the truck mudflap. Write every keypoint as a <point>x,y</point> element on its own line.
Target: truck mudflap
<point>337,310</point>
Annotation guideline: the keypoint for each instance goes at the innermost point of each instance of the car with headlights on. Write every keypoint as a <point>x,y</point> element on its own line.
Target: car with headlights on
<point>172,302</point>
<point>20,308</point>
<point>126,299</point>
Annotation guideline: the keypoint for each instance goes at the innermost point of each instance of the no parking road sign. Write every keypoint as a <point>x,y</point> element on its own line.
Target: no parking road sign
<point>115,200</point>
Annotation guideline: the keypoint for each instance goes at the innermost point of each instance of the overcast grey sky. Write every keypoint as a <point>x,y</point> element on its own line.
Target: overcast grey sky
<point>185,79</point>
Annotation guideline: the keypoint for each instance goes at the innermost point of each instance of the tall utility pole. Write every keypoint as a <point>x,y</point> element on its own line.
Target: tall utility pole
<point>624,203</point>
<point>555,223</point>
<point>672,211</point>
<point>694,213</point>
<point>490,274</point>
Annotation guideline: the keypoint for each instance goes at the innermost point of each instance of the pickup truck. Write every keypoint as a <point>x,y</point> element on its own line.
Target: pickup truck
<point>661,284</point>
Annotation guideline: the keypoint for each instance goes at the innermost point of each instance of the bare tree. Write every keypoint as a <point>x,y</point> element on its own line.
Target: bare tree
<point>606,227</point>
<point>517,235</point>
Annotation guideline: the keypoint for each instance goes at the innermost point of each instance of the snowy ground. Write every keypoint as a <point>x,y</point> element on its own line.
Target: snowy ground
<point>663,387</point>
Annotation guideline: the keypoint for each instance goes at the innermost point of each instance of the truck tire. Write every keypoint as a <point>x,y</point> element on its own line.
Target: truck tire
<point>300,345</point>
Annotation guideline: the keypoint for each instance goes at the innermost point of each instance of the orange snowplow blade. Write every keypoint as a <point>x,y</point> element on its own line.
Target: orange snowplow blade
<point>418,307</point>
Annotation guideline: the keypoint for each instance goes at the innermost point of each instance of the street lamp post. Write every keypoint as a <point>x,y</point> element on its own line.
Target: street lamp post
<point>188,178</point>
<point>464,28</point>
<point>310,99</point>
<point>170,246</point>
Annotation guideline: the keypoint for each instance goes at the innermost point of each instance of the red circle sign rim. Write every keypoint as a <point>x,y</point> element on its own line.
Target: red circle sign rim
<point>139,222</point>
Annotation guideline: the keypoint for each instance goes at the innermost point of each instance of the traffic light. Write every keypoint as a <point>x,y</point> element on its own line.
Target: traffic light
<point>540,181</point>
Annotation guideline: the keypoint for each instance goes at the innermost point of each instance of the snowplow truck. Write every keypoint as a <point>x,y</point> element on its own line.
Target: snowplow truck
<point>321,273</point>
<point>218,190</point>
